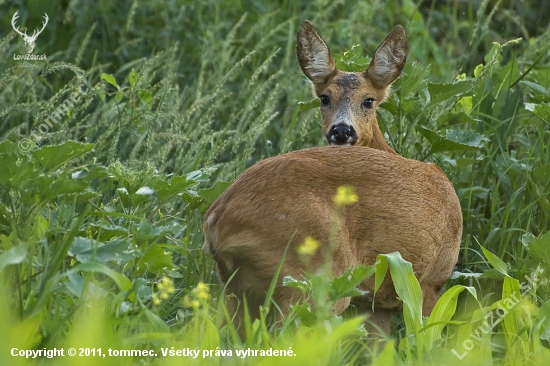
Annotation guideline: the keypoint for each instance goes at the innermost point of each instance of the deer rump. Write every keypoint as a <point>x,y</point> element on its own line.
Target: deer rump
<point>403,205</point>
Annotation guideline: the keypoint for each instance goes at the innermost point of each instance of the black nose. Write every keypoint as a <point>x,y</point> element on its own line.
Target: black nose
<point>341,134</point>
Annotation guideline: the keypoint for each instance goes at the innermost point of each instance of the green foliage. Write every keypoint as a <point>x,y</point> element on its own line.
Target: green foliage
<point>112,148</point>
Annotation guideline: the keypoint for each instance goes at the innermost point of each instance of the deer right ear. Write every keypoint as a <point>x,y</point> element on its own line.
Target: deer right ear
<point>313,54</point>
<point>389,59</point>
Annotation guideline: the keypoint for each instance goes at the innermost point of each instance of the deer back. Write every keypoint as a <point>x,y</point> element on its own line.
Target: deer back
<point>404,205</point>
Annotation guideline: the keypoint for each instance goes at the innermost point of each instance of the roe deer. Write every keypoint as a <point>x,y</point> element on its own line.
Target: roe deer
<point>403,205</point>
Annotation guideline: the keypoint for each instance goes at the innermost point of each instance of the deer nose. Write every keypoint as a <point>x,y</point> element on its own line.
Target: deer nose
<point>341,134</point>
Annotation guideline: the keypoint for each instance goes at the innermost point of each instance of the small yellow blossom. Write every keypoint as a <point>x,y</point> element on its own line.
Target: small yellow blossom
<point>188,302</point>
<point>198,294</point>
<point>345,196</point>
<point>308,247</point>
<point>201,291</point>
<point>156,299</point>
<point>165,287</point>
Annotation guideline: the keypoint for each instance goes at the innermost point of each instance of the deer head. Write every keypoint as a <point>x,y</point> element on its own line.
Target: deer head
<point>29,40</point>
<point>349,99</point>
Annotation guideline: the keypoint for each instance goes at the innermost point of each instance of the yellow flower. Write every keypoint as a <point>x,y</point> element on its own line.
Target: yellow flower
<point>165,287</point>
<point>156,299</point>
<point>201,291</point>
<point>308,247</point>
<point>190,303</point>
<point>198,295</point>
<point>345,196</point>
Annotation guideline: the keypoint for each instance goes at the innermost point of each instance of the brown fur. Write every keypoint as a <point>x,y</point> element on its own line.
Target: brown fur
<point>404,205</point>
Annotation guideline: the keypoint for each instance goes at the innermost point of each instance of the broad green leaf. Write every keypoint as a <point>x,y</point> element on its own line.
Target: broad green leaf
<point>442,313</point>
<point>200,175</point>
<point>459,118</point>
<point>414,78</point>
<point>53,157</point>
<point>167,190</point>
<point>155,260</point>
<point>146,233</point>
<point>52,186</point>
<point>305,314</point>
<point>453,140</point>
<point>304,286</point>
<point>192,199</point>
<point>16,171</point>
<point>14,255</point>
<point>539,89</point>
<point>16,166</point>
<point>492,274</point>
<point>209,195</point>
<point>431,135</point>
<point>88,250</point>
<point>110,79</point>
<point>93,171</point>
<point>496,262</point>
<point>407,288</point>
<point>118,96</point>
<point>108,231</point>
<point>159,326</point>
<point>75,284</point>
<point>346,284</point>
<point>442,92</point>
<point>132,180</point>
<point>145,96</point>
<point>142,195</point>
<point>466,103</point>
<point>468,138</point>
<point>121,281</point>
<point>8,147</point>
<point>352,60</point>
<point>539,248</point>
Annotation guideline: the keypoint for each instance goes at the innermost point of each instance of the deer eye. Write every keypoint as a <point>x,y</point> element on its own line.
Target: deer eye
<point>368,103</point>
<point>325,100</point>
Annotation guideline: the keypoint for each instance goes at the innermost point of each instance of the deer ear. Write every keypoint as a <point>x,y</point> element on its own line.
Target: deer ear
<point>389,59</point>
<point>313,54</point>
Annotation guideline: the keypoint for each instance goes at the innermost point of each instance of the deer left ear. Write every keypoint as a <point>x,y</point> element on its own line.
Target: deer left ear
<point>389,59</point>
<point>313,54</point>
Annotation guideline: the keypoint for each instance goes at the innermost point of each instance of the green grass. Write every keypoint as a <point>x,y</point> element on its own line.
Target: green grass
<point>100,215</point>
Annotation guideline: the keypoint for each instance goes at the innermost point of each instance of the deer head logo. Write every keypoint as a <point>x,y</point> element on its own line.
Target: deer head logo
<point>29,40</point>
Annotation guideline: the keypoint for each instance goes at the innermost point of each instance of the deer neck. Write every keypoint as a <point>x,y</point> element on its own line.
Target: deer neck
<point>378,141</point>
